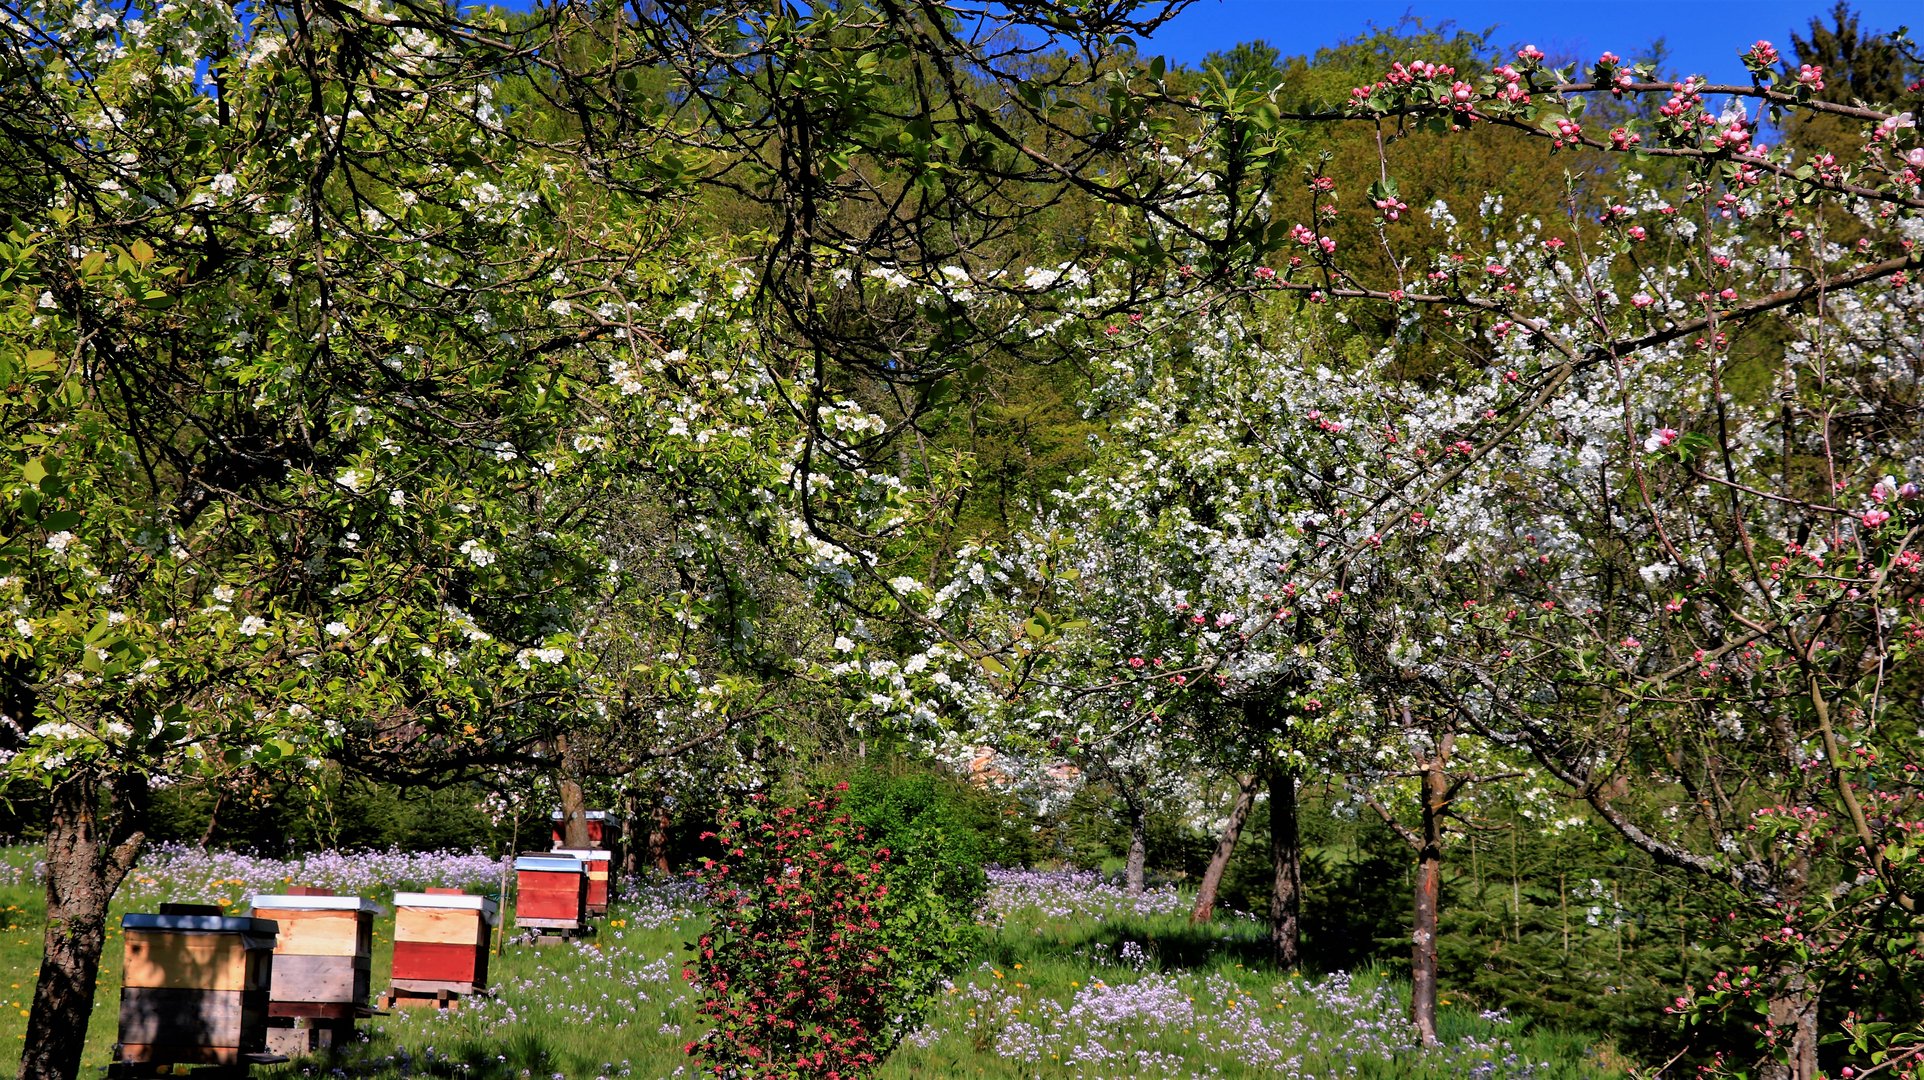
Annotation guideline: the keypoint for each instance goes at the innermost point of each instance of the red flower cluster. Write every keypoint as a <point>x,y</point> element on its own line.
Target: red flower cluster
<point>795,971</point>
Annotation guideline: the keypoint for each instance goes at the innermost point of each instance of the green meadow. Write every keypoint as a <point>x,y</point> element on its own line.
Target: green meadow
<point>1075,980</point>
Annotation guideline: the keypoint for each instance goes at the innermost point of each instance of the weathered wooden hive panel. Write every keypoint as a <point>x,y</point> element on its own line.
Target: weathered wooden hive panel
<point>194,988</point>
<point>324,952</point>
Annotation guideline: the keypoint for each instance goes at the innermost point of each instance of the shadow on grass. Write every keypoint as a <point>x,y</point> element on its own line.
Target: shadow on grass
<point>509,1056</point>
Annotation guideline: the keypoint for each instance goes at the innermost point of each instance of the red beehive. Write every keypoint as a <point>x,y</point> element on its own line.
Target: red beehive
<point>597,864</point>
<point>604,829</point>
<point>441,942</point>
<point>552,891</point>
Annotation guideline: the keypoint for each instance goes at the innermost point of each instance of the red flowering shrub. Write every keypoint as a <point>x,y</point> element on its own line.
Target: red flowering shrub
<point>797,972</point>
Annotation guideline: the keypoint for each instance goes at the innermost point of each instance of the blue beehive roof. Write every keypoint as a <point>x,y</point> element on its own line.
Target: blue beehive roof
<point>202,924</point>
<point>562,864</point>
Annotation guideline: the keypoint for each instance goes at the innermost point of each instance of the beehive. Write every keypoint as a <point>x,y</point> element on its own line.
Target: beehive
<point>552,891</point>
<point>321,968</point>
<point>598,863</point>
<point>325,947</point>
<point>194,988</point>
<point>604,829</point>
<point>441,941</point>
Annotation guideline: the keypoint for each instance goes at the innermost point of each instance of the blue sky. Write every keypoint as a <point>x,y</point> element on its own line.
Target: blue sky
<point>1702,37</point>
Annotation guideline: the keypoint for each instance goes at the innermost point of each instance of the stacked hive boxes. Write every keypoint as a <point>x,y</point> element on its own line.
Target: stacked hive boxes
<point>441,943</point>
<point>552,892</point>
<point>596,863</point>
<point>195,988</point>
<point>321,968</point>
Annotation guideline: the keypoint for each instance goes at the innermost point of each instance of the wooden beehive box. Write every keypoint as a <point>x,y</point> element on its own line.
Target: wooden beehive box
<point>604,829</point>
<point>195,988</point>
<point>600,887</point>
<point>441,941</point>
<point>323,954</point>
<point>551,891</point>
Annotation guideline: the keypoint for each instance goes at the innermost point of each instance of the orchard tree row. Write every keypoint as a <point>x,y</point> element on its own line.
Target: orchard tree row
<point>436,395</point>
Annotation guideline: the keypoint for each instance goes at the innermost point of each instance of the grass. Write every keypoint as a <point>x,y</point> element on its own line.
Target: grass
<point>1078,982</point>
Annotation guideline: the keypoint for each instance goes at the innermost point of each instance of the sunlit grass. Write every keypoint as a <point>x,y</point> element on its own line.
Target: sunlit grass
<point>1071,985</point>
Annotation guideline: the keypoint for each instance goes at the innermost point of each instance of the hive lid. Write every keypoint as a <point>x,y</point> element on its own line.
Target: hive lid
<point>566,864</point>
<point>586,854</point>
<point>203,924</point>
<point>315,903</point>
<point>483,904</point>
<point>591,815</point>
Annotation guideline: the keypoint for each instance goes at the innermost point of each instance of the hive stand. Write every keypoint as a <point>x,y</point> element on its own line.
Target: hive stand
<point>441,940</point>
<point>321,969</point>
<point>194,992</point>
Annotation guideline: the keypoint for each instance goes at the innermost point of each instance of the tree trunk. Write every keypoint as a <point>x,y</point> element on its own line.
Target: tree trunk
<point>631,848</point>
<point>1136,870</point>
<point>1212,878</point>
<point>1794,1013</point>
<point>574,803</point>
<point>658,839</point>
<point>574,816</point>
<point>213,820</point>
<point>1429,887</point>
<point>1286,861</point>
<point>84,868</point>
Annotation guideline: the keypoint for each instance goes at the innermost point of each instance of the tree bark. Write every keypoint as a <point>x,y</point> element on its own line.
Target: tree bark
<point>1794,1012</point>
<point>1286,862</point>
<point>658,839</point>
<point>1136,869</point>
<point>574,803</point>
<point>84,867</point>
<point>213,820</point>
<point>1429,888</point>
<point>631,850</point>
<point>1212,878</point>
